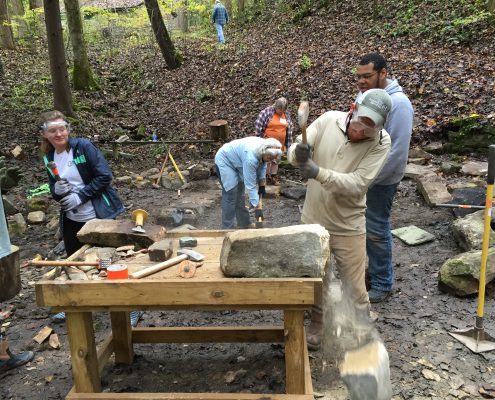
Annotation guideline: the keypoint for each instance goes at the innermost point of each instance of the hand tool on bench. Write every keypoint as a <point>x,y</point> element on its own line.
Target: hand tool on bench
<point>58,263</point>
<point>182,254</point>
<point>476,339</point>
<point>139,217</point>
<point>157,182</point>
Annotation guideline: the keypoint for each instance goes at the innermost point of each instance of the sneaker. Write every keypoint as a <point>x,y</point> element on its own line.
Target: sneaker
<point>135,317</point>
<point>58,318</point>
<point>15,360</point>
<point>377,296</point>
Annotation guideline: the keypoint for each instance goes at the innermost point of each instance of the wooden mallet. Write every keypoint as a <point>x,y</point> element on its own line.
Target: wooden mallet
<point>302,119</point>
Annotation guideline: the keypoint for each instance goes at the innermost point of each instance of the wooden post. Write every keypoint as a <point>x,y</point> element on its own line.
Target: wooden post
<point>122,337</point>
<point>10,276</point>
<point>83,352</point>
<point>219,130</point>
<point>294,351</point>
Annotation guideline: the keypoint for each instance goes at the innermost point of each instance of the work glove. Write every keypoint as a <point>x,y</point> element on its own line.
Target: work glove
<point>302,152</point>
<point>309,169</point>
<point>9,177</point>
<point>62,187</point>
<point>262,190</point>
<point>258,213</point>
<point>69,202</point>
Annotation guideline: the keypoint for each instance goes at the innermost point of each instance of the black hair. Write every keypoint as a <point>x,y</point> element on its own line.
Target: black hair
<point>376,59</point>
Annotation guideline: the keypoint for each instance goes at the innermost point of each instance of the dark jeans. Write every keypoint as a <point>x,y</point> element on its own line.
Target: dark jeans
<point>379,241</point>
<point>69,234</point>
<point>234,206</point>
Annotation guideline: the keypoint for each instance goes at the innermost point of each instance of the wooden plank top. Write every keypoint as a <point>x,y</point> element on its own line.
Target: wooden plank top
<point>207,288</point>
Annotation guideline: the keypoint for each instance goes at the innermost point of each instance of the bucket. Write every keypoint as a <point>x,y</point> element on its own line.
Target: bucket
<point>117,271</point>
<point>10,275</point>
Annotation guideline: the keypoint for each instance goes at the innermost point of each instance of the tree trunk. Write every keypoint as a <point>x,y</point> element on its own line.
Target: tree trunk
<point>58,65</point>
<point>82,75</point>
<point>161,33</point>
<point>491,6</point>
<point>33,4</point>
<point>240,9</point>
<point>16,11</point>
<point>228,6</point>
<point>6,36</point>
<point>2,73</point>
<point>183,17</point>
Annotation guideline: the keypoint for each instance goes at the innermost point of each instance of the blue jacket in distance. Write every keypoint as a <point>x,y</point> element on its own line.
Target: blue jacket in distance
<point>220,14</point>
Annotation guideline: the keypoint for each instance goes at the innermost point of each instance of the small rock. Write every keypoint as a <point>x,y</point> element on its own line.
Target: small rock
<point>123,180</point>
<point>36,217</point>
<point>430,375</point>
<point>434,147</point>
<point>416,152</point>
<point>150,172</point>
<point>188,241</point>
<point>9,206</point>
<point>17,151</point>
<point>450,167</point>
<point>475,168</point>
<point>38,204</point>
<point>17,225</point>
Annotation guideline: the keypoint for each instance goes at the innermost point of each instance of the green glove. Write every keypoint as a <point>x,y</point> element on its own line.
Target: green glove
<point>9,177</point>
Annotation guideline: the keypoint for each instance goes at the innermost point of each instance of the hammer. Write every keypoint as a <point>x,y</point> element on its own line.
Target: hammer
<point>302,119</point>
<point>182,254</point>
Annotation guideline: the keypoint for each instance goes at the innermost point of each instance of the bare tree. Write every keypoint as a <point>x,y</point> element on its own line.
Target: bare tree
<point>6,35</point>
<point>33,4</point>
<point>228,6</point>
<point>2,73</point>
<point>58,65</point>
<point>16,12</point>
<point>82,76</point>
<point>161,34</point>
<point>183,17</point>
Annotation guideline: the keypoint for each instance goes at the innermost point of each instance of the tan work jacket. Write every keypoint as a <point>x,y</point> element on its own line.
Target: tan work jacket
<point>336,198</point>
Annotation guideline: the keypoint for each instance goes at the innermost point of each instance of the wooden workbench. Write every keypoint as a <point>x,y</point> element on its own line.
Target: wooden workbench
<point>207,290</point>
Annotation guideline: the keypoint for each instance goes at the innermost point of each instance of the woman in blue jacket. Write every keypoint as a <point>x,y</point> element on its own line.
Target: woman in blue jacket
<point>84,188</point>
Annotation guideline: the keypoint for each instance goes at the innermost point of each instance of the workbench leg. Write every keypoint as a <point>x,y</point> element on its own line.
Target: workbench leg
<point>83,352</point>
<point>122,337</point>
<point>294,351</point>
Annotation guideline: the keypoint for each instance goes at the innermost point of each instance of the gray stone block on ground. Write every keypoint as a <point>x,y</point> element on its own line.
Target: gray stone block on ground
<point>293,192</point>
<point>460,275</point>
<point>414,171</point>
<point>474,196</point>
<point>475,168</point>
<point>433,189</point>
<point>112,233</point>
<point>36,217</point>
<point>9,206</point>
<point>366,372</point>
<point>412,235</point>
<point>292,251</point>
<point>468,231</point>
<point>161,251</point>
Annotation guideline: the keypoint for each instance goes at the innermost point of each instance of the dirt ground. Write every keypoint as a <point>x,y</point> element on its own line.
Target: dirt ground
<point>413,324</point>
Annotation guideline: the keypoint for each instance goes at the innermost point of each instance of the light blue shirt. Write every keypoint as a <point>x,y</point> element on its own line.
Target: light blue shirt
<point>4,233</point>
<point>238,162</point>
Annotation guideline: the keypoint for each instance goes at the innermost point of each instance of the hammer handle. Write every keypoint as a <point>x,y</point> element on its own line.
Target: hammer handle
<point>46,263</point>
<point>304,137</point>
<point>153,269</point>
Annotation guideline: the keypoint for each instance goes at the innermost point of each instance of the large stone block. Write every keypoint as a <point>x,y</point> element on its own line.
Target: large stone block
<point>160,251</point>
<point>111,233</point>
<point>434,190</point>
<point>292,251</point>
<point>468,231</point>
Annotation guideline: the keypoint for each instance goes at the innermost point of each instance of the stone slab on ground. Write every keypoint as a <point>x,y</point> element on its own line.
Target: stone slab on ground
<point>475,168</point>
<point>415,171</point>
<point>412,235</point>
<point>292,251</point>
<point>460,275</point>
<point>293,192</point>
<point>366,372</point>
<point>112,233</point>
<point>468,231</point>
<point>434,189</point>
<point>36,217</point>
<point>474,196</point>
<point>161,250</point>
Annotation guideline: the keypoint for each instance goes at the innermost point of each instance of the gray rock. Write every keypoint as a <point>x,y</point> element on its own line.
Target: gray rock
<point>17,225</point>
<point>460,275</point>
<point>366,372</point>
<point>188,241</point>
<point>450,167</point>
<point>111,233</point>
<point>434,189</point>
<point>38,204</point>
<point>184,228</point>
<point>175,217</point>
<point>414,171</point>
<point>474,168</point>
<point>125,180</point>
<point>150,172</point>
<point>199,172</point>
<point>293,192</point>
<point>36,217</point>
<point>416,152</point>
<point>9,206</point>
<point>434,147</point>
<point>171,181</point>
<point>292,251</point>
<point>418,161</point>
<point>161,251</point>
<point>468,231</point>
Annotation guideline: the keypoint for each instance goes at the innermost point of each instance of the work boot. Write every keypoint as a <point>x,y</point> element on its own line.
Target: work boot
<point>15,360</point>
<point>377,296</point>
<point>314,332</point>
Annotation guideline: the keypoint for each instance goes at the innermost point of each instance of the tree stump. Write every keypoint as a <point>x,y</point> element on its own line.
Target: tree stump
<point>10,276</point>
<point>219,130</point>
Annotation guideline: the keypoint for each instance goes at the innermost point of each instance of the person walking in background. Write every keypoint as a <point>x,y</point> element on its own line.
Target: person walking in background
<point>240,165</point>
<point>275,122</point>
<point>372,73</point>
<point>220,17</point>
<point>348,152</point>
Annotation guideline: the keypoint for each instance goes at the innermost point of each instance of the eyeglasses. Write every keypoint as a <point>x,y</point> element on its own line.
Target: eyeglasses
<point>53,129</point>
<point>366,76</point>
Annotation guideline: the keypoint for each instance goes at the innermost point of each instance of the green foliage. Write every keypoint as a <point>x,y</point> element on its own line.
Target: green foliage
<point>158,150</point>
<point>203,95</point>
<point>305,62</point>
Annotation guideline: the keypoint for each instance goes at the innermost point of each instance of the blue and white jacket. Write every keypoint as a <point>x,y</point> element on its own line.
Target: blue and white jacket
<point>96,175</point>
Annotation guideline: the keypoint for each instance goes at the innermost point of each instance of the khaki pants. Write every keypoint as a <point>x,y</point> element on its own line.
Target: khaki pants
<point>350,258</point>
